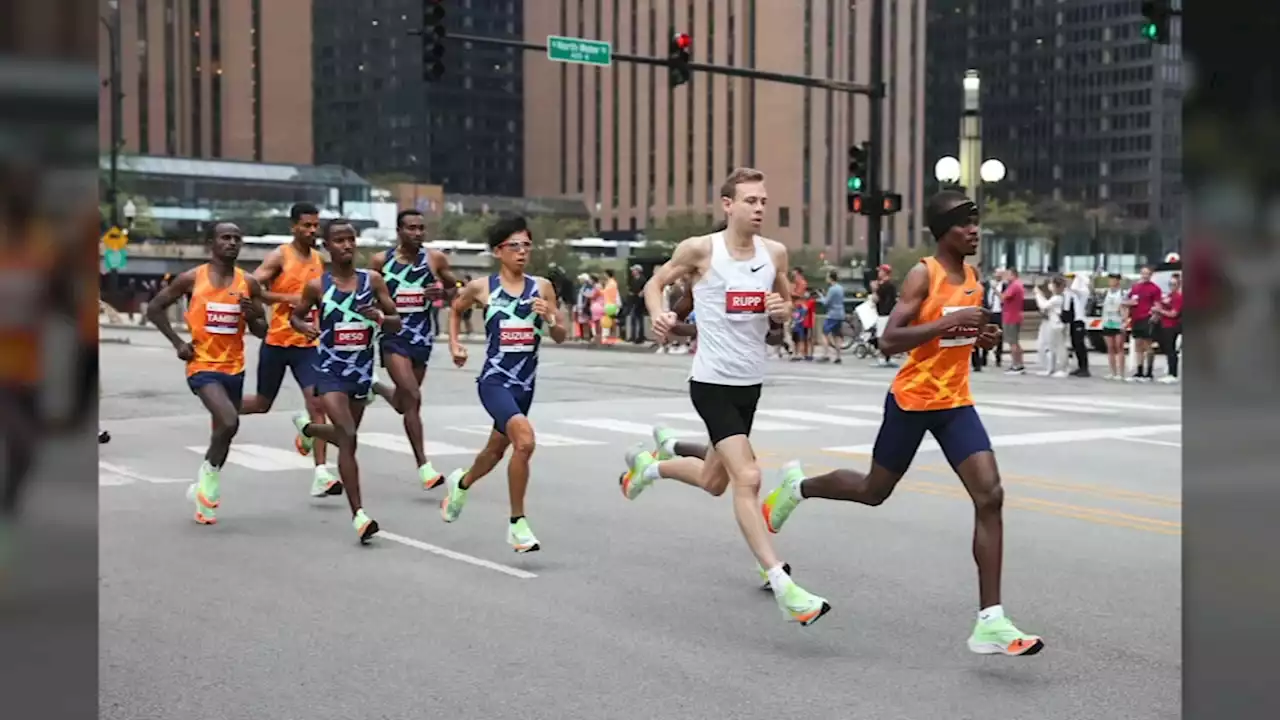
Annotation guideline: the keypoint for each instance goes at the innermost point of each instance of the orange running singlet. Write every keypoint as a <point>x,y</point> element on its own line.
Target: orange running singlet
<point>26,267</point>
<point>217,325</point>
<point>295,273</point>
<point>936,375</point>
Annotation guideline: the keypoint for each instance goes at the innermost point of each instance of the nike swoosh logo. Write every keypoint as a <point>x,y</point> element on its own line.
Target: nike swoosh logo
<point>754,269</point>
<point>969,292</point>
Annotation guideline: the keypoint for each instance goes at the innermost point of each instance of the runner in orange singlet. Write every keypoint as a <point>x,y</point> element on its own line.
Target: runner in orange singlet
<point>939,319</point>
<point>224,301</point>
<point>283,274</point>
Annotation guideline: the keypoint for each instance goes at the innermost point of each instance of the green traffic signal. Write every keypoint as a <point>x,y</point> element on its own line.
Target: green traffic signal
<point>1150,31</point>
<point>855,184</point>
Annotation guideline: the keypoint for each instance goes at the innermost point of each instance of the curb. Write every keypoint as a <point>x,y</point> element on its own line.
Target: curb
<point>621,347</point>
<point>115,341</point>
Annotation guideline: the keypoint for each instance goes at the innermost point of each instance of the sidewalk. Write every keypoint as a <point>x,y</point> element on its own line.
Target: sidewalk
<point>624,347</point>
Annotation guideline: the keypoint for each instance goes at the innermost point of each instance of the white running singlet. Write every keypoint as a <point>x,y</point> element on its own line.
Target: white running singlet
<point>728,302</point>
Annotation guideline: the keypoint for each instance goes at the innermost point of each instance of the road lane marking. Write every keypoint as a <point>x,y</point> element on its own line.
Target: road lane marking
<point>625,427</point>
<point>545,439</point>
<point>400,444</point>
<point>982,410</point>
<point>1148,441</point>
<point>1101,401</point>
<point>765,425</point>
<point>111,474</point>
<point>987,403</point>
<point>262,458</point>
<point>454,555</point>
<point>1078,488</point>
<point>814,417</point>
<point>1041,438</point>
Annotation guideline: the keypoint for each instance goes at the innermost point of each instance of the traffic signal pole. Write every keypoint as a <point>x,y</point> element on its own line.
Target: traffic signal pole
<point>875,92</point>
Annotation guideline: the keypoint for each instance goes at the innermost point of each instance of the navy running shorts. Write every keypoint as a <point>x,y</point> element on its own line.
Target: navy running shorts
<point>396,345</point>
<point>274,359</point>
<point>354,389</point>
<point>233,384</point>
<point>833,327</point>
<point>503,403</point>
<point>958,431</point>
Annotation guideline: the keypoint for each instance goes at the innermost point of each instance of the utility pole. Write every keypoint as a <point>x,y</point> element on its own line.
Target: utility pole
<point>875,127</point>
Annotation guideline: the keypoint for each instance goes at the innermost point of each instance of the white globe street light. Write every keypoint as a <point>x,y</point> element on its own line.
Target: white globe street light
<point>992,171</point>
<point>947,170</point>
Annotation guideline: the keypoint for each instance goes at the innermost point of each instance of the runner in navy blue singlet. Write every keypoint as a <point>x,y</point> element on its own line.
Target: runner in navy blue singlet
<point>353,304</point>
<point>416,277</point>
<point>519,310</point>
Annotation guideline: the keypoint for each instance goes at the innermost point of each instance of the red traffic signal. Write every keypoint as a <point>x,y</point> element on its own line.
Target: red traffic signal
<point>854,202</point>
<point>683,41</point>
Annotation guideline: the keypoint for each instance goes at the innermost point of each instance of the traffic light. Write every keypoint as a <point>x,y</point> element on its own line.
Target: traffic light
<point>1156,19</point>
<point>857,182</point>
<point>678,55</point>
<point>433,36</point>
<point>890,203</point>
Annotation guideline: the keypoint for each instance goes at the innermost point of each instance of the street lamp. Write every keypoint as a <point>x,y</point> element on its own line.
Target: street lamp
<point>992,171</point>
<point>947,170</point>
<point>130,213</point>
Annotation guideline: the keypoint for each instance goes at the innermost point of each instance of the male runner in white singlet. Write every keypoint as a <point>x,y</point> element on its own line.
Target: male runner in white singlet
<point>739,284</point>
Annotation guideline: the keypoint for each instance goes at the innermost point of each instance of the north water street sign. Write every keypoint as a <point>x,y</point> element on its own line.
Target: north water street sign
<point>577,50</point>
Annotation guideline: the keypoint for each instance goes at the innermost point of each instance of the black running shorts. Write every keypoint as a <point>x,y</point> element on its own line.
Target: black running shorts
<point>727,410</point>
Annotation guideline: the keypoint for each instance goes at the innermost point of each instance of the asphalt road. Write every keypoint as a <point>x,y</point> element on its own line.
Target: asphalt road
<point>644,609</point>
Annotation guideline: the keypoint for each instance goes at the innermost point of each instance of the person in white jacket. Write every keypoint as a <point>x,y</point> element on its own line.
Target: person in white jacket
<point>1053,332</point>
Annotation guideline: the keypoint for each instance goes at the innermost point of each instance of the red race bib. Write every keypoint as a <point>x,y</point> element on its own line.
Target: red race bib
<point>744,302</point>
<point>222,318</point>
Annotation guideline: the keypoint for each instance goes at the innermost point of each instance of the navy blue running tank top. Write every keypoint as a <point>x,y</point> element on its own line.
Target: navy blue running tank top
<point>408,285</point>
<point>513,333</point>
<point>346,336</point>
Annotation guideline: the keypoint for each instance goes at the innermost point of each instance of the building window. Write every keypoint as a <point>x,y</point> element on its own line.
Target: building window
<point>255,32</point>
<point>215,58</point>
<point>599,115</point>
<point>784,217</point>
<point>170,78</point>
<point>806,154</point>
<point>614,140</point>
<point>711,102</point>
<point>564,105</point>
<point>581,114</point>
<point>197,71</point>
<point>635,93</point>
<point>751,84</point>
<point>730,83</point>
<point>144,82</point>
<point>671,119</point>
<point>689,122</point>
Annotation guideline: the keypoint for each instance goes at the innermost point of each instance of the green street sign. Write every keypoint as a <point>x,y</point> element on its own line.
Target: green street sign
<point>577,50</point>
<point>115,259</point>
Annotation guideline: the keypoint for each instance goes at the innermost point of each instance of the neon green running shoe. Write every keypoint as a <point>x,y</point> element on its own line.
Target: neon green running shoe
<point>662,437</point>
<point>430,478</point>
<point>366,527</point>
<point>764,575</point>
<point>455,496</point>
<point>634,481</point>
<point>782,501</point>
<point>303,444</point>
<point>323,483</point>
<point>998,636</point>
<point>521,537</point>
<point>206,495</point>
<point>800,605</point>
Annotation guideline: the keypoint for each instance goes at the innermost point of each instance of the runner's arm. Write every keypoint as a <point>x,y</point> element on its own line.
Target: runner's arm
<point>378,260</point>
<point>559,332</point>
<point>391,321</point>
<point>684,263</point>
<point>781,285</point>
<point>462,302</point>
<point>266,274</point>
<point>256,317</point>
<point>440,267</point>
<point>899,335</point>
<point>159,305</point>
<point>298,319</point>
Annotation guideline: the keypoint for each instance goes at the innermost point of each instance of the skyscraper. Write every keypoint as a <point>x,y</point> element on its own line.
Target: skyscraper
<point>374,113</point>
<point>1075,102</point>
<point>212,78</point>
<point>635,150</point>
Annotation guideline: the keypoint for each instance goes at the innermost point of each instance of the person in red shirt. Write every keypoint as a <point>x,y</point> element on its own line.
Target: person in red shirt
<point>811,310</point>
<point>1169,311</point>
<point>1013,299</point>
<point>1143,297</point>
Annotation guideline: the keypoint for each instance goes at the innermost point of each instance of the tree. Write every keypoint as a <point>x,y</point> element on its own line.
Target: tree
<point>808,261</point>
<point>461,226</point>
<point>662,238</point>
<point>144,223</point>
<point>902,259</point>
<point>385,181</point>
<point>1011,219</point>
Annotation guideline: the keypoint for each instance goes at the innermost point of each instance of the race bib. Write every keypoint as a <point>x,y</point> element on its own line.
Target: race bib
<point>222,318</point>
<point>743,304</point>
<point>410,300</point>
<point>516,337</point>
<point>960,336</point>
<point>351,336</point>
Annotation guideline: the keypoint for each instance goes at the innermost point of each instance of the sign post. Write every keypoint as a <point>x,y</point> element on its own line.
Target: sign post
<point>580,51</point>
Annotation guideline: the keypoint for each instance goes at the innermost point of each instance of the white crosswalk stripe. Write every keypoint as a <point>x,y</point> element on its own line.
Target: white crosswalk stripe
<point>1051,406</point>
<point>765,425</point>
<point>985,410</point>
<point>1041,438</point>
<point>806,416</point>
<point>400,444</point>
<point>262,458</point>
<point>544,439</point>
<point>626,427</point>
